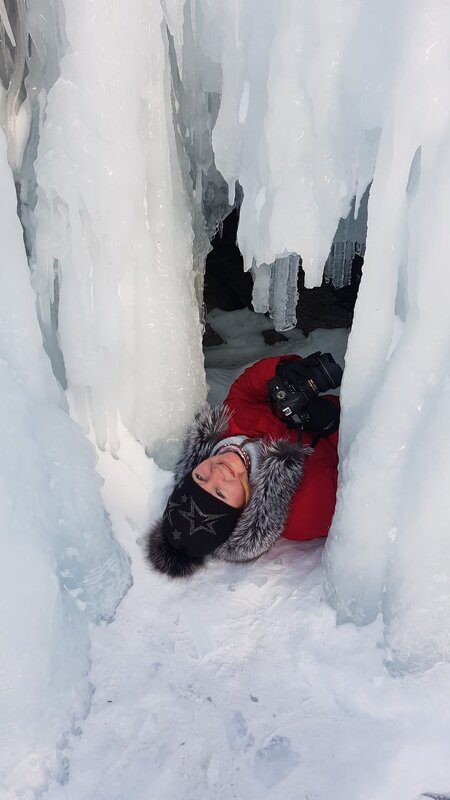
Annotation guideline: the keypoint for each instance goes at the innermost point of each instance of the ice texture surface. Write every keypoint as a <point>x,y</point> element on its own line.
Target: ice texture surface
<point>289,122</point>
<point>59,564</point>
<point>113,229</point>
<point>388,550</point>
<point>298,125</point>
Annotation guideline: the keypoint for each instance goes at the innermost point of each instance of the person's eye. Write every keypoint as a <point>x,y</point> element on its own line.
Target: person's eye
<point>199,477</point>
<point>220,494</point>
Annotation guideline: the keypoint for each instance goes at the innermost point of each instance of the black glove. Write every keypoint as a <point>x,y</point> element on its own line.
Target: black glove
<point>323,416</point>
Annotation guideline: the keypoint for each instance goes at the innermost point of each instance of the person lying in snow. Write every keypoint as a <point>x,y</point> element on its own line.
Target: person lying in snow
<point>261,466</point>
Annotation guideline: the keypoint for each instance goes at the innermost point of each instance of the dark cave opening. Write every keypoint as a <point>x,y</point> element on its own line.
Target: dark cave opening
<point>229,288</point>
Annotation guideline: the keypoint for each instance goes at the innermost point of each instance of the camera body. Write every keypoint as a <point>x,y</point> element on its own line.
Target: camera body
<point>298,382</point>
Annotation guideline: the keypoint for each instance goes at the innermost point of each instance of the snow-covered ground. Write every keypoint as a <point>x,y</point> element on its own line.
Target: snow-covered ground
<point>237,684</point>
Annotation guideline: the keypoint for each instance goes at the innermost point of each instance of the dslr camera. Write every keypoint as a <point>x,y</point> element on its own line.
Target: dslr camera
<point>298,382</point>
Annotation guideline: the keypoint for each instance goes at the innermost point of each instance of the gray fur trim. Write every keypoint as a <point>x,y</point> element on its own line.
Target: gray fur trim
<point>208,428</point>
<point>261,523</point>
<point>165,558</point>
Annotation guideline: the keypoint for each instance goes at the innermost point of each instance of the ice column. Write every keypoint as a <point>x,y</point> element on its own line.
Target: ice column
<point>59,564</point>
<point>275,291</point>
<point>388,550</point>
<point>113,224</point>
<point>349,240</point>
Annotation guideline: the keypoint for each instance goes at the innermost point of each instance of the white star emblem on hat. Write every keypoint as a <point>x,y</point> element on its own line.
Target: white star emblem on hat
<point>198,520</point>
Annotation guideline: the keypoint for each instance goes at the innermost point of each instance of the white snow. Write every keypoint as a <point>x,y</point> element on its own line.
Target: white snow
<point>238,684</point>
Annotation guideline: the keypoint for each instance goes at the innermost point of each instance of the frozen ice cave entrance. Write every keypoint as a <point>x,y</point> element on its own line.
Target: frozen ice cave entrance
<point>126,133</point>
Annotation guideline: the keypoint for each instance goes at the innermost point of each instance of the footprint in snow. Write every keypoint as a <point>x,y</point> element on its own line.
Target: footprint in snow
<point>275,761</point>
<point>239,739</point>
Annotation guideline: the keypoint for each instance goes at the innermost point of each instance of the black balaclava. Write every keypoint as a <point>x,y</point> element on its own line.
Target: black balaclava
<point>196,522</point>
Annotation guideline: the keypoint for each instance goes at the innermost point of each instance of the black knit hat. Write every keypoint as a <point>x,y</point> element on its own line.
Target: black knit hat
<point>194,524</point>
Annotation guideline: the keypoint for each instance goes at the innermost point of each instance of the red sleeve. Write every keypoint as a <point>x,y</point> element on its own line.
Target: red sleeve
<point>312,507</point>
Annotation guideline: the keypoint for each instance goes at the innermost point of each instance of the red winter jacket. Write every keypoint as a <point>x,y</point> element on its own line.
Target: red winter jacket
<point>313,504</point>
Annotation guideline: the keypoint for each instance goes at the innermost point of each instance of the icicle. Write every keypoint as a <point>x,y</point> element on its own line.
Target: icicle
<point>6,23</point>
<point>16,120</point>
<point>261,287</point>
<point>283,292</point>
<point>349,240</point>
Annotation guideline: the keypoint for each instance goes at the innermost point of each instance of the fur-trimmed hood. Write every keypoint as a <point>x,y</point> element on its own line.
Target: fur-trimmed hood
<point>278,475</point>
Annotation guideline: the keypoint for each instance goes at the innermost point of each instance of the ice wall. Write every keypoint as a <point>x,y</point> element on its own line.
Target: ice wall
<point>388,548</point>
<point>60,567</point>
<point>59,564</point>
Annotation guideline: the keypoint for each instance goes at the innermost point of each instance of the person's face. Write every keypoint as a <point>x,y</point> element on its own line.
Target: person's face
<point>223,476</point>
